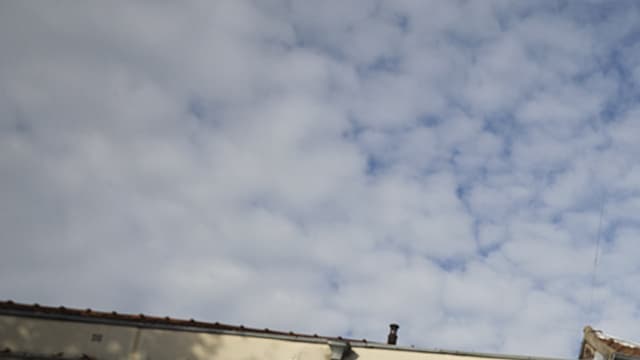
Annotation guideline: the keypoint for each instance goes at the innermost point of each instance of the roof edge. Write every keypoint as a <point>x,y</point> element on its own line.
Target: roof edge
<point>11,308</point>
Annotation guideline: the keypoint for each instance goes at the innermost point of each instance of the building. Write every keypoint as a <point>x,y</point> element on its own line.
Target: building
<point>43,332</point>
<point>597,345</point>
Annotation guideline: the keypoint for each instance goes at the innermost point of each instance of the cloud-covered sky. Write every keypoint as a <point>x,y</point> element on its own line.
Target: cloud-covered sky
<point>328,166</point>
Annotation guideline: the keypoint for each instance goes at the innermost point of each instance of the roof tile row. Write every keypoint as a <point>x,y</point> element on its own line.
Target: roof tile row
<point>89,314</point>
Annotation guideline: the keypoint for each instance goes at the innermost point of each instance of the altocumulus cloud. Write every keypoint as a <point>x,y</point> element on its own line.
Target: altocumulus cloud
<point>327,166</point>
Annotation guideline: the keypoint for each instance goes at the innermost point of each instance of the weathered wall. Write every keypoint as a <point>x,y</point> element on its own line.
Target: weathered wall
<point>388,354</point>
<point>70,338</point>
<point>42,336</point>
<point>45,336</point>
<point>163,344</point>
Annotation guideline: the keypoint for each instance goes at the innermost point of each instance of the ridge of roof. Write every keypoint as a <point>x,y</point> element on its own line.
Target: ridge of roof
<point>616,344</point>
<point>90,315</point>
<point>604,336</point>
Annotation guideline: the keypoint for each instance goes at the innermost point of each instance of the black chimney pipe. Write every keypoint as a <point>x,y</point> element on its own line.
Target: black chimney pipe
<point>392,339</point>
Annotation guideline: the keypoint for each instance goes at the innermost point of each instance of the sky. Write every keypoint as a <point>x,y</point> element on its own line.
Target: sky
<point>467,169</point>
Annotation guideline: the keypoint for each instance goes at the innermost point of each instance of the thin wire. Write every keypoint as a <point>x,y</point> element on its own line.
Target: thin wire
<point>596,258</point>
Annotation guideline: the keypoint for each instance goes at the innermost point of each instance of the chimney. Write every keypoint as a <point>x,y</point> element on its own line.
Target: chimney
<point>393,334</point>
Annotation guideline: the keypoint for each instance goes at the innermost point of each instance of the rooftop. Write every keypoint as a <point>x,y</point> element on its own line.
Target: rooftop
<point>90,315</point>
<point>607,345</point>
<point>148,321</point>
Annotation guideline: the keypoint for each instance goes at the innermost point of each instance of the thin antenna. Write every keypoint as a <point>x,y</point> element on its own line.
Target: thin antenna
<point>596,257</point>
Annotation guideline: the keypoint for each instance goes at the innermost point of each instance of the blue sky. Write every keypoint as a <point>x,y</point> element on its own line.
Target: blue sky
<point>327,166</point>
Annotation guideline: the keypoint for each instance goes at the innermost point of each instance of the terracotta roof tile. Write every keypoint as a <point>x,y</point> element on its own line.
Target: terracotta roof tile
<point>614,344</point>
<point>618,345</point>
<point>89,314</point>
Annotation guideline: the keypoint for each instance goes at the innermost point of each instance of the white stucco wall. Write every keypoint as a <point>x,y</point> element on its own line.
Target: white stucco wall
<point>71,338</point>
<point>46,336</point>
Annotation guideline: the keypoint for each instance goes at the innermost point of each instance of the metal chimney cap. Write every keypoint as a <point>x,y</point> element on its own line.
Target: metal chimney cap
<point>392,339</point>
